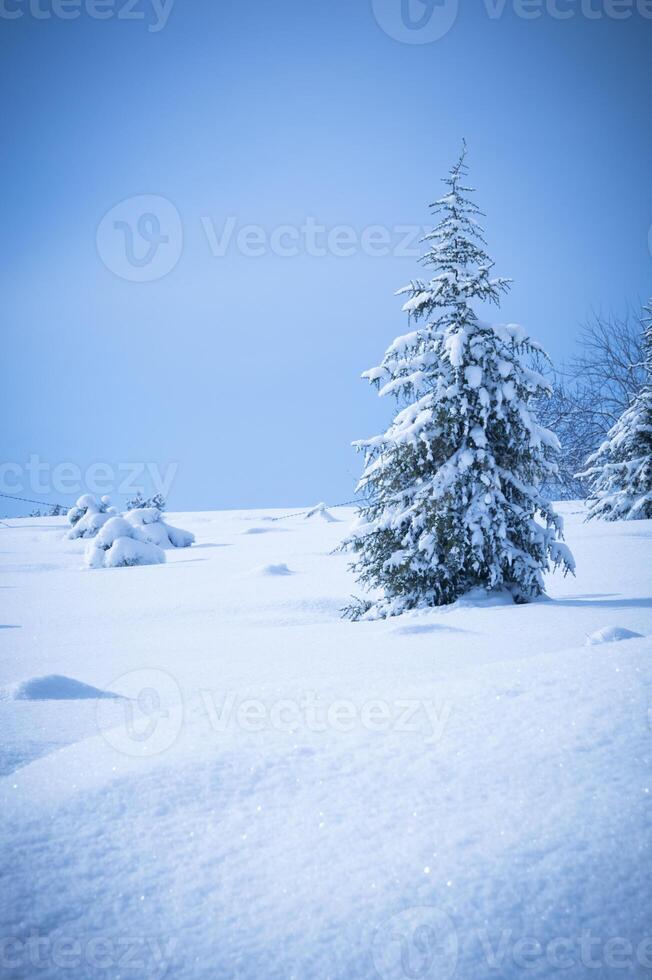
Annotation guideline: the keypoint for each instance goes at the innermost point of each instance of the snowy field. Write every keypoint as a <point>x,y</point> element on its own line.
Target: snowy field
<point>277,793</point>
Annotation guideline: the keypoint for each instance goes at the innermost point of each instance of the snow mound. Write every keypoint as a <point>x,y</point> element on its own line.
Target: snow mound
<point>280,569</point>
<point>482,598</point>
<point>611,634</point>
<point>149,520</point>
<point>53,687</point>
<point>119,545</point>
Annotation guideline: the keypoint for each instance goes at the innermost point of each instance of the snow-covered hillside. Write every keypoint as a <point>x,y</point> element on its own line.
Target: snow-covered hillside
<point>251,787</point>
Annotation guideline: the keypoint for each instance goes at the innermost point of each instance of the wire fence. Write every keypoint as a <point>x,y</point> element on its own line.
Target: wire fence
<point>316,510</point>
<point>28,500</point>
<point>300,513</point>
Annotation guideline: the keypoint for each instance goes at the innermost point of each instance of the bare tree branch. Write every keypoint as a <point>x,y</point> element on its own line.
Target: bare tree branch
<point>590,394</point>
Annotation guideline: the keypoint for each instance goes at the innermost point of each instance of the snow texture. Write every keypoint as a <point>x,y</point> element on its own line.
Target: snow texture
<point>496,793</point>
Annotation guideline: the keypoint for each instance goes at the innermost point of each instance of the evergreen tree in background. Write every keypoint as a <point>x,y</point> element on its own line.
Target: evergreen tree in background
<point>141,503</point>
<point>620,472</point>
<point>452,499</point>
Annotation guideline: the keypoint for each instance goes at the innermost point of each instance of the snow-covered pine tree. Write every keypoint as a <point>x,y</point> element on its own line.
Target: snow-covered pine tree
<point>620,471</point>
<point>452,499</point>
<point>88,515</point>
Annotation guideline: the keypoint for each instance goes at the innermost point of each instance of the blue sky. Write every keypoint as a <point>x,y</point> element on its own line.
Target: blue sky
<point>242,369</point>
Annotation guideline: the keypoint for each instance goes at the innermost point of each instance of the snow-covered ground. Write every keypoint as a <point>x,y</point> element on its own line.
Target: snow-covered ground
<point>277,793</point>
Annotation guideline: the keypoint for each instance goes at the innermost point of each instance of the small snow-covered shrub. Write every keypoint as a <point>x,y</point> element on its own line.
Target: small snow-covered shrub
<point>320,510</point>
<point>86,501</point>
<point>119,544</point>
<point>88,515</point>
<point>89,525</point>
<point>149,521</point>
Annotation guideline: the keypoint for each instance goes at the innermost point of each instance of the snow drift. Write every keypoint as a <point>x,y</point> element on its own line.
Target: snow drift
<point>53,687</point>
<point>611,634</point>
